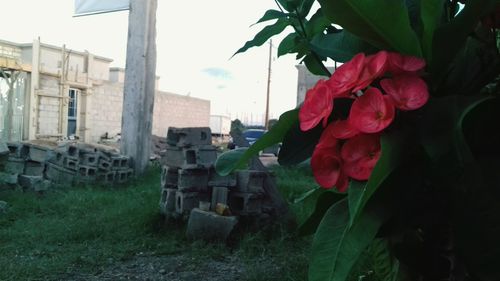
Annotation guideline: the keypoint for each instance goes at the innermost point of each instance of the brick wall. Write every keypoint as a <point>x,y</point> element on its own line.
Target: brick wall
<point>173,110</point>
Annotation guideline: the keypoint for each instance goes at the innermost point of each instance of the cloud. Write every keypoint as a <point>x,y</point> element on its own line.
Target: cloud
<point>217,72</point>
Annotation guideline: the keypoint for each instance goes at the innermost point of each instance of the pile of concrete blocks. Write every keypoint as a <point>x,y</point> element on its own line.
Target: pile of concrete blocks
<point>191,189</point>
<point>26,165</point>
<point>36,167</point>
<point>81,163</point>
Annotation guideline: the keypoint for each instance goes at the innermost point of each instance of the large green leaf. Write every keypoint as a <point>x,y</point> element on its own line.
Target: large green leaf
<point>288,44</point>
<point>264,35</point>
<point>229,161</point>
<point>340,46</point>
<point>336,246</point>
<point>316,24</point>
<point>271,15</point>
<point>315,65</point>
<point>297,145</point>
<point>305,7</point>
<point>383,23</point>
<point>394,152</point>
<point>431,12</point>
<point>325,199</point>
<point>449,38</point>
<point>385,265</point>
<point>477,212</point>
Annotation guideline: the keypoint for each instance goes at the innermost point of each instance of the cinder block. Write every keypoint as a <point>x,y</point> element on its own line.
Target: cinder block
<point>209,226</point>
<point>32,168</point>
<point>70,163</point>
<point>206,155</point>
<point>119,162</point>
<point>185,137</point>
<point>245,203</point>
<point>123,176</point>
<point>4,150</point>
<point>8,178</point>
<point>30,182</point>
<point>191,157</point>
<point>38,153</point>
<point>106,176</point>
<point>104,164</point>
<point>85,148</point>
<point>43,186</point>
<point>89,159</point>
<point>18,149</point>
<point>59,174</point>
<point>193,179</point>
<point>72,152</point>
<point>186,201</point>
<point>57,157</point>
<point>167,201</point>
<point>219,195</point>
<point>86,174</point>
<point>14,165</point>
<point>218,180</point>
<point>250,181</point>
<point>169,177</point>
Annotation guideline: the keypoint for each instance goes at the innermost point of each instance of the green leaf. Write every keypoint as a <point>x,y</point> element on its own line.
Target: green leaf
<point>336,246</point>
<point>340,46</point>
<point>297,145</point>
<point>305,8</point>
<point>315,66</point>
<point>394,147</point>
<point>289,5</point>
<point>235,160</point>
<point>449,38</point>
<point>316,24</point>
<point>271,15</point>
<point>264,35</point>
<point>383,23</point>
<point>385,265</point>
<point>288,44</point>
<point>431,13</point>
<point>326,198</point>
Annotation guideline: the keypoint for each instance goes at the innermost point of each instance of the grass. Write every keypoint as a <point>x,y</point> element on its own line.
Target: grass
<point>86,229</point>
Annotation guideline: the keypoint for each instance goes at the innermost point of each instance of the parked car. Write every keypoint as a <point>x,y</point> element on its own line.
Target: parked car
<point>252,135</point>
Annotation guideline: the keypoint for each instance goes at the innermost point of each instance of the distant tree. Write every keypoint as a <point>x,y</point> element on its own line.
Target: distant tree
<point>237,127</point>
<point>10,77</point>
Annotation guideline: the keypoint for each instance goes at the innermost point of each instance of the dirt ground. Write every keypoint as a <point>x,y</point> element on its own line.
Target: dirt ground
<point>176,268</point>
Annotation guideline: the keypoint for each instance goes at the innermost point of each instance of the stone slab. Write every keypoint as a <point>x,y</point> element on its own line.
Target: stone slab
<point>209,226</point>
<point>15,165</point>
<point>32,168</point>
<point>30,182</point>
<point>59,174</point>
<point>38,153</point>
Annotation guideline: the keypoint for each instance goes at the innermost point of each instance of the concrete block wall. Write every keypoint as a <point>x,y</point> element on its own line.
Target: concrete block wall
<point>171,110</point>
<point>48,106</point>
<point>106,110</point>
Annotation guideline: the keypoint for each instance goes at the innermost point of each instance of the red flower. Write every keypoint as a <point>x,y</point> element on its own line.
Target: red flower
<point>326,166</point>
<point>318,105</point>
<point>375,66</point>
<point>407,92</point>
<point>372,112</point>
<point>360,155</point>
<point>327,139</point>
<point>341,129</point>
<point>398,63</point>
<point>345,77</point>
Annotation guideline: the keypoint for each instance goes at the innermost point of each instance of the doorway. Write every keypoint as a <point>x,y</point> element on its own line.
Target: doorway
<point>72,111</point>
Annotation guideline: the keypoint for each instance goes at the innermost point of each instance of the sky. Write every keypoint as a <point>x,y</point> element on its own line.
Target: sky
<point>195,41</point>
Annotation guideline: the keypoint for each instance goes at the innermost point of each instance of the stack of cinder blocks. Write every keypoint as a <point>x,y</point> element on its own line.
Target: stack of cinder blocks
<point>36,167</point>
<point>26,165</point>
<point>186,170</point>
<point>188,178</point>
<point>82,163</point>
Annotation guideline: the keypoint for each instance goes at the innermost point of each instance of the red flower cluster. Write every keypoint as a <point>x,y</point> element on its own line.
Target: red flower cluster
<point>351,148</point>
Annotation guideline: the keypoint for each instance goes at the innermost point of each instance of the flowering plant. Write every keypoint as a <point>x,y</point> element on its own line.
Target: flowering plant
<point>403,137</point>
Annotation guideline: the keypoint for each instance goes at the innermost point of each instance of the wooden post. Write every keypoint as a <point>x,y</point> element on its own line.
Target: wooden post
<point>266,118</point>
<point>139,89</point>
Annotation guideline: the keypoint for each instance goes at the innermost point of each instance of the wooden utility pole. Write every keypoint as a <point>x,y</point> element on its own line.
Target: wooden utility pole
<point>139,89</point>
<point>266,121</point>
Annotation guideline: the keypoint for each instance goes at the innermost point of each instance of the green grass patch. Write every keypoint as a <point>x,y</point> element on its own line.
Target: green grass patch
<point>87,229</point>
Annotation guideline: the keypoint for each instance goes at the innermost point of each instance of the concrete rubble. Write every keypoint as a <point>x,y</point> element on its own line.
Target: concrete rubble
<point>38,165</point>
<point>191,189</point>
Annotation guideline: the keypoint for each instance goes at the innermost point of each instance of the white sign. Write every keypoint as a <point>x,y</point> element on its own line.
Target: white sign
<point>90,7</point>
